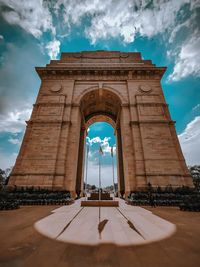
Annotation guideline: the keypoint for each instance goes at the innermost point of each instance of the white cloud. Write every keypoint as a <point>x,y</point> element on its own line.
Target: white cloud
<point>187,62</point>
<point>197,107</point>
<point>7,160</point>
<point>111,19</point>
<point>14,141</point>
<point>106,163</point>
<point>103,142</point>
<point>94,140</point>
<point>14,122</point>
<point>1,37</point>
<point>190,142</point>
<point>33,16</point>
<point>116,19</point>
<point>53,49</point>
<point>19,81</point>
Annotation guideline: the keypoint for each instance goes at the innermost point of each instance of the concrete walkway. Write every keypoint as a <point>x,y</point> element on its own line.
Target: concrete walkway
<point>123,226</point>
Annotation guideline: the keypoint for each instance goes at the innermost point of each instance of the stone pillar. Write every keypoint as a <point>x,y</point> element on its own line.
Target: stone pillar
<point>128,151</point>
<point>80,165</point>
<point>60,167</point>
<point>140,170</point>
<point>120,164</point>
<point>73,150</point>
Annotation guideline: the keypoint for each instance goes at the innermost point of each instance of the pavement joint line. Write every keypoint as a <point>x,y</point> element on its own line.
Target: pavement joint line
<point>69,222</point>
<point>131,225</point>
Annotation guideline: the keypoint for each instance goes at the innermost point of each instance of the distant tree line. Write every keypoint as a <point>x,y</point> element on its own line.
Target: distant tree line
<point>195,173</point>
<point>94,187</point>
<point>4,176</point>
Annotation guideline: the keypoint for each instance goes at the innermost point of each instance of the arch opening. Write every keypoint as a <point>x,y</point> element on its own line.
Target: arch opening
<point>101,102</point>
<point>100,106</point>
<point>100,134</point>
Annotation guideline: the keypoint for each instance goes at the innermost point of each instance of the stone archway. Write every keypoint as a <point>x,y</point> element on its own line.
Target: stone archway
<point>100,85</point>
<point>100,105</point>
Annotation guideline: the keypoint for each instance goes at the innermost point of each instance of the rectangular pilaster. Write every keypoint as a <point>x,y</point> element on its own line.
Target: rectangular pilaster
<point>128,150</point>
<point>72,150</point>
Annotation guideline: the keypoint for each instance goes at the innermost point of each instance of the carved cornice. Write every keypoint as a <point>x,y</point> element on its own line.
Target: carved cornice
<point>56,104</point>
<point>36,174</point>
<point>144,104</point>
<point>104,73</point>
<point>78,105</point>
<point>136,122</point>
<point>153,104</point>
<point>45,122</point>
<point>163,174</point>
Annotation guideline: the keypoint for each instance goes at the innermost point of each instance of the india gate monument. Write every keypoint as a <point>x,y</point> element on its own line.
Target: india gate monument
<point>100,86</point>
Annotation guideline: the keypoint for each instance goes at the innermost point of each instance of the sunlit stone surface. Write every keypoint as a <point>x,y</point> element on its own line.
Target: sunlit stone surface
<point>82,88</point>
<point>126,225</point>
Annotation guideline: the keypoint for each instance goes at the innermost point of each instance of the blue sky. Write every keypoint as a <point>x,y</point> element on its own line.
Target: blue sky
<point>33,32</point>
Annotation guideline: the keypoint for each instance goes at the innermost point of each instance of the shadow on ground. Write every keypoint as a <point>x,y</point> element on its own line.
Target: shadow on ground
<point>22,245</point>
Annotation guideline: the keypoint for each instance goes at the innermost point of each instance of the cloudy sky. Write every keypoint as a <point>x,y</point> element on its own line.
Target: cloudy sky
<point>34,31</point>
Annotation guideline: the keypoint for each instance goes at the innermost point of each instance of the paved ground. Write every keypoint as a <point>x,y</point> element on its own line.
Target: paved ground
<point>22,245</point>
<point>123,225</point>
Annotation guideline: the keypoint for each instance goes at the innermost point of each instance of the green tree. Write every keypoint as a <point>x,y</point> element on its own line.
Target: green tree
<point>93,187</point>
<point>2,178</point>
<point>195,173</point>
<point>4,174</point>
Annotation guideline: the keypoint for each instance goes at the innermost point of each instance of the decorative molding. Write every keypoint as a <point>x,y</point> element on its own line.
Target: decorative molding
<point>55,88</point>
<point>101,73</point>
<point>144,104</point>
<point>160,174</point>
<point>45,122</point>
<point>136,122</point>
<point>36,174</point>
<point>56,104</point>
<point>98,87</point>
<point>145,88</point>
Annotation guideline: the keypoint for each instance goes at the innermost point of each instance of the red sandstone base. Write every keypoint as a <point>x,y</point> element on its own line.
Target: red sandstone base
<point>99,203</point>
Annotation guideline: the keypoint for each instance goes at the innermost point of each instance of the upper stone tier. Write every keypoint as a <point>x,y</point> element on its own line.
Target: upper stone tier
<point>100,56</point>
<point>100,60</point>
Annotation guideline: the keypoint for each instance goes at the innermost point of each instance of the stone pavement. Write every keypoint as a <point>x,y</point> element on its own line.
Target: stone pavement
<point>123,226</point>
<point>22,245</point>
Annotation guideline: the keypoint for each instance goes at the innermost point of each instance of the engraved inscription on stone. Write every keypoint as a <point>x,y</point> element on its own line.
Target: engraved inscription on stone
<point>150,111</point>
<point>50,111</point>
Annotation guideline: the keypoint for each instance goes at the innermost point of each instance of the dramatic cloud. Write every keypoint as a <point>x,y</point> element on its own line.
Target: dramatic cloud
<point>190,142</point>
<point>14,141</point>
<point>133,18</point>
<point>103,142</point>
<point>14,122</point>
<point>106,163</point>
<point>7,160</point>
<point>33,16</point>
<point>115,18</point>
<point>111,19</point>
<point>53,49</point>
<point>187,62</point>
<point>196,108</point>
<point>19,80</point>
